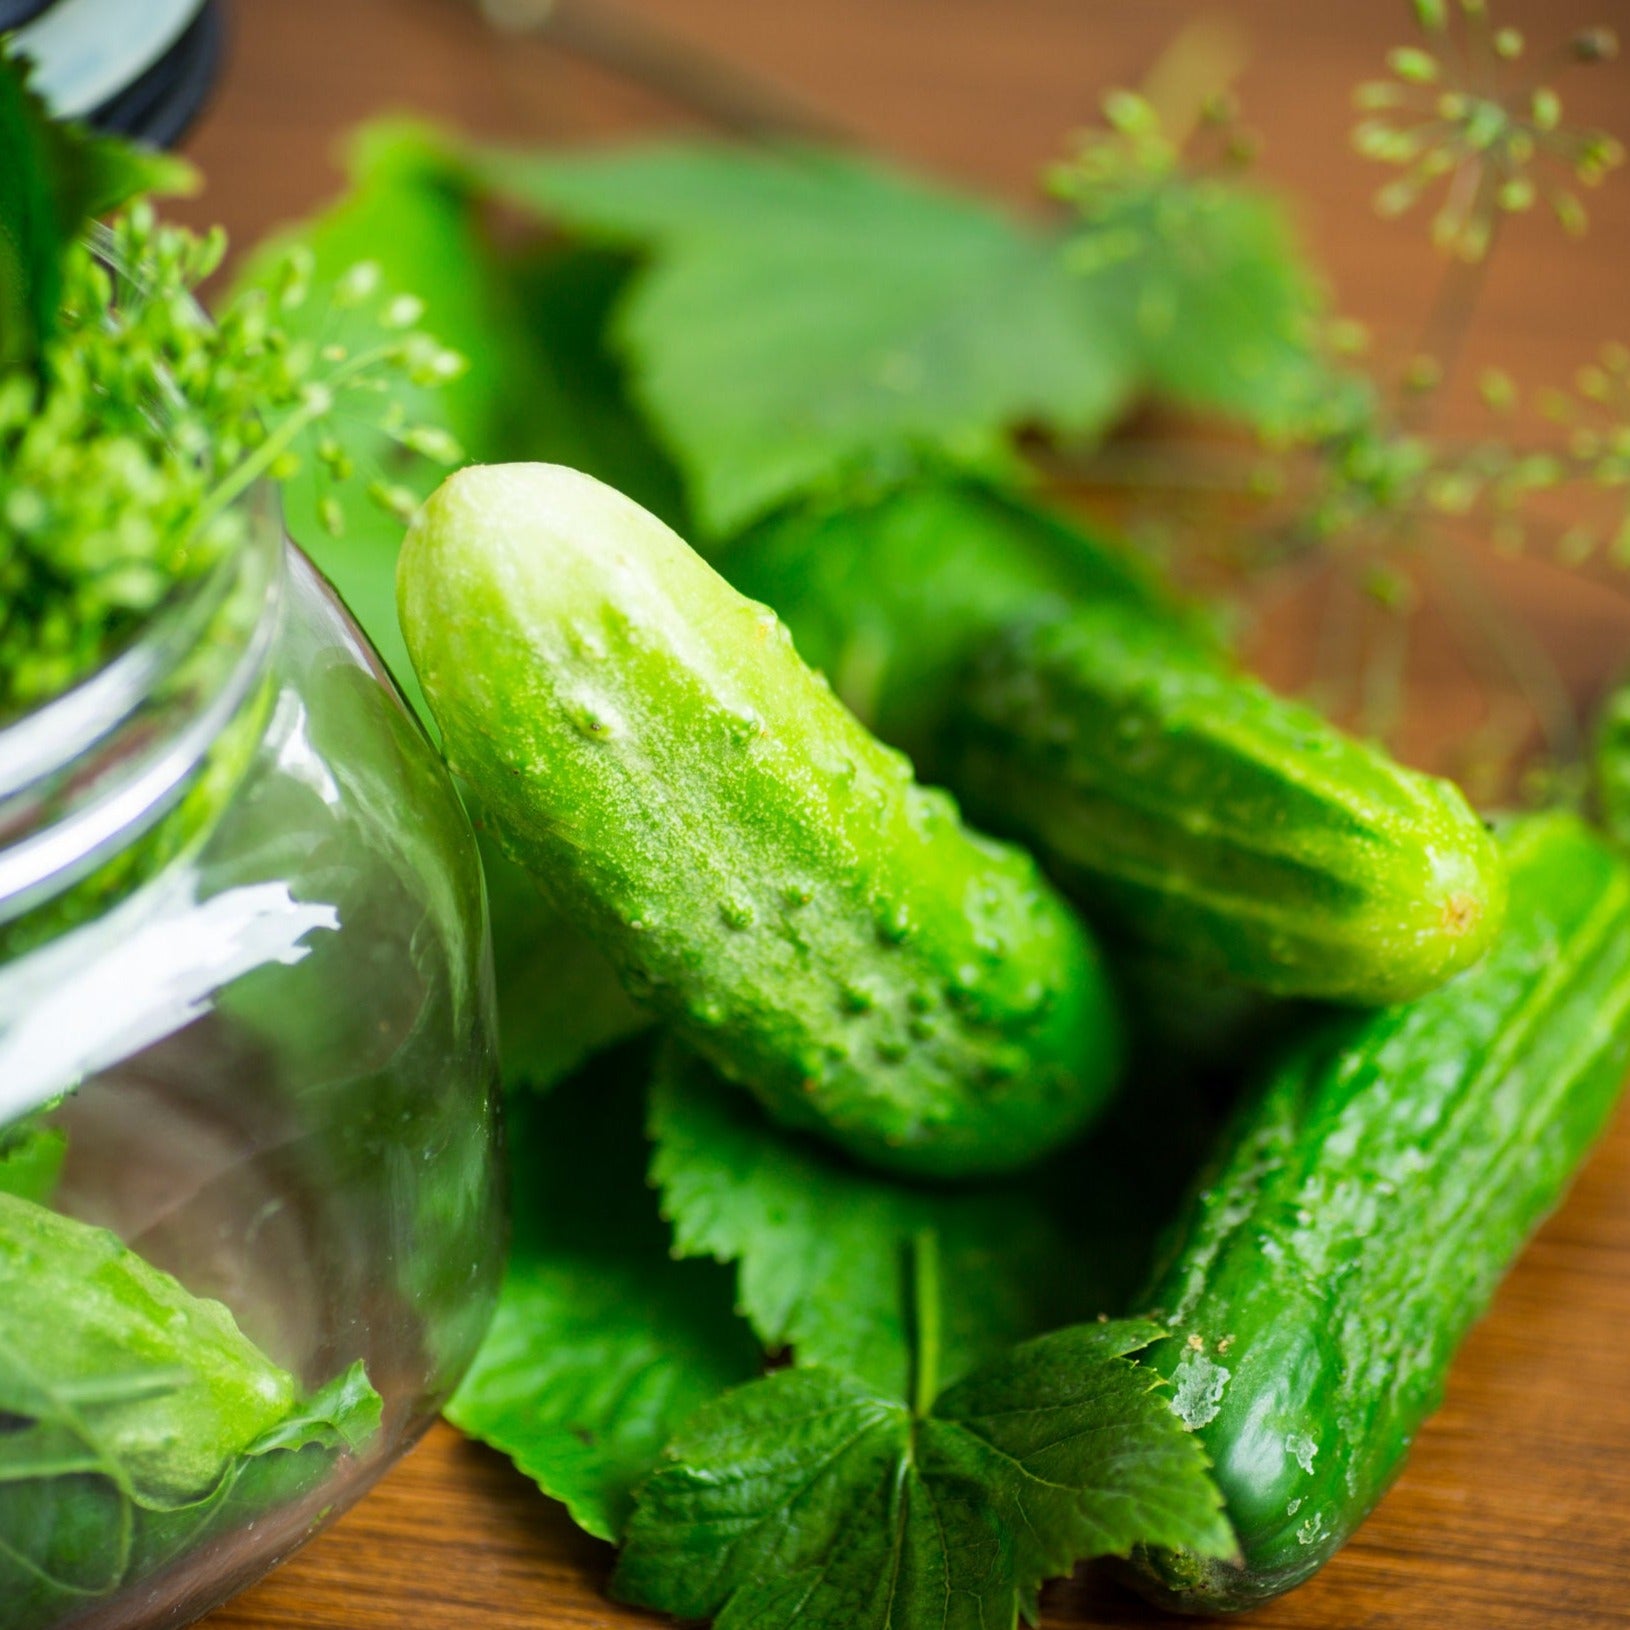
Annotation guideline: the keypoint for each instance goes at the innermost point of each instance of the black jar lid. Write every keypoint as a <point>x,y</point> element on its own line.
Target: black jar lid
<point>14,13</point>
<point>144,72</point>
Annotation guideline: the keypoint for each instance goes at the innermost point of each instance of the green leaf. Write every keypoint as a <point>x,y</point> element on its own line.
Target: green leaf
<point>138,1418</point>
<point>31,1157</point>
<point>1208,288</point>
<point>821,1243</point>
<point>569,400</point>
<point>1610,766</point>
<point>602,1343</point>
<point>812,319</point>
<point>117,171</point>
<point>345,1412</point>
<point>188,1389</point>
<point>56,178</point>
<point>806,1499</point>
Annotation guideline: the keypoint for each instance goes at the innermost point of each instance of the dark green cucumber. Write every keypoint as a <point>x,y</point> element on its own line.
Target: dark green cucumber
<point>1368,1203</point>
<point>763,872</point>
<point>1198,814</point>
<point>891,599</point>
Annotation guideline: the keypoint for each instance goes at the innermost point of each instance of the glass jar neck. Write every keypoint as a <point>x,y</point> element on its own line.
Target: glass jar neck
<point>88,775</point>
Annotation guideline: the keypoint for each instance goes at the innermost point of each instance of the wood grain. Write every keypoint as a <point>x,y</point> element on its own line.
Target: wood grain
<point>1514,1512</point>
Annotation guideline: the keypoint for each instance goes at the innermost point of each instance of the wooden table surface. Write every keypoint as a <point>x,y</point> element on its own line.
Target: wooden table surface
<point>1515,1509</point>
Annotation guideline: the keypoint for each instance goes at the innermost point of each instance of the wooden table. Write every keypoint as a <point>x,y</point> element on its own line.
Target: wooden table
<point>1515,1509</point>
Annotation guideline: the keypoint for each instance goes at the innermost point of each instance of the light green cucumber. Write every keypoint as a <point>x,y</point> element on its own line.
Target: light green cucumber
<point>1197,814</point>
<point>763,873</point>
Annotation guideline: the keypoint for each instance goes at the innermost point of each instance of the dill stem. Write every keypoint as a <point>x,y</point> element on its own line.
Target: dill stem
<point>1443,336</point>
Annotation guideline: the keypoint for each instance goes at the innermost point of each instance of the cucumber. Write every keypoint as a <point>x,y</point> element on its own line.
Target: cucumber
<point>761,871</point>
<point>891,599</point>
<point>1366,1206</point>
<point>1197,814</point>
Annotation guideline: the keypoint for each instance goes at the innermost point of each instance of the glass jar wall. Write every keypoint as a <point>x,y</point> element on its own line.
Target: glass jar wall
<point>250,1224</point>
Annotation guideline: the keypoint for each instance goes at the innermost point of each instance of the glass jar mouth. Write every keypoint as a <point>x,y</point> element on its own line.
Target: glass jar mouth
<point>93,769</point>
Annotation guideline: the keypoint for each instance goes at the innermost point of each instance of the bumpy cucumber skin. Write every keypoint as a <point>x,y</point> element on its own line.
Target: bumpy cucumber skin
<point>1368,1204</point>
<point>1198,814</point>
<point>891,599</point>
<point>763,872</point>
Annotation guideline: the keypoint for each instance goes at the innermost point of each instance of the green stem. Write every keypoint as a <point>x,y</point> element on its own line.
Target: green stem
<point>1443,338</point>
<point>925,1288</point>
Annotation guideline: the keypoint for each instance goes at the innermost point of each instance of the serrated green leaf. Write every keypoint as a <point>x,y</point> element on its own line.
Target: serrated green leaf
<point>805,1499</point>
<point>822,1243</point>
<point>54,180</point>
<point>1103,1469</point>
<point>602,1343</point>
<point>813,319</point>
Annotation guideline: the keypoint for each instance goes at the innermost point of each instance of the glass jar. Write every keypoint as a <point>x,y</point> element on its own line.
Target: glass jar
<point>250,1224</point>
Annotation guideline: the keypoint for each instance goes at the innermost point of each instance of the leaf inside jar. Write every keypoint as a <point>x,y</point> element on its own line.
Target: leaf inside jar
<point>136,1420</point>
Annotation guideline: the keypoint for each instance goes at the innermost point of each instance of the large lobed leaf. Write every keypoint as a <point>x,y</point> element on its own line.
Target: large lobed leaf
<point>602,1343</point>
<point>806,1499</point>
<point>822,1244</point>
<point>809,320</point>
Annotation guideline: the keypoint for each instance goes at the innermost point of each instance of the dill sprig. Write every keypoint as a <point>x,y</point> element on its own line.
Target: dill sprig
<point>125,446</point>
<point>1463,113</point>
<point>1353,485</point>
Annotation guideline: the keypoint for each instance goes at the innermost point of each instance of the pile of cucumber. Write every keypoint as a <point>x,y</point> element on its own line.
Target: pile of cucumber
<point>771,881</point>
